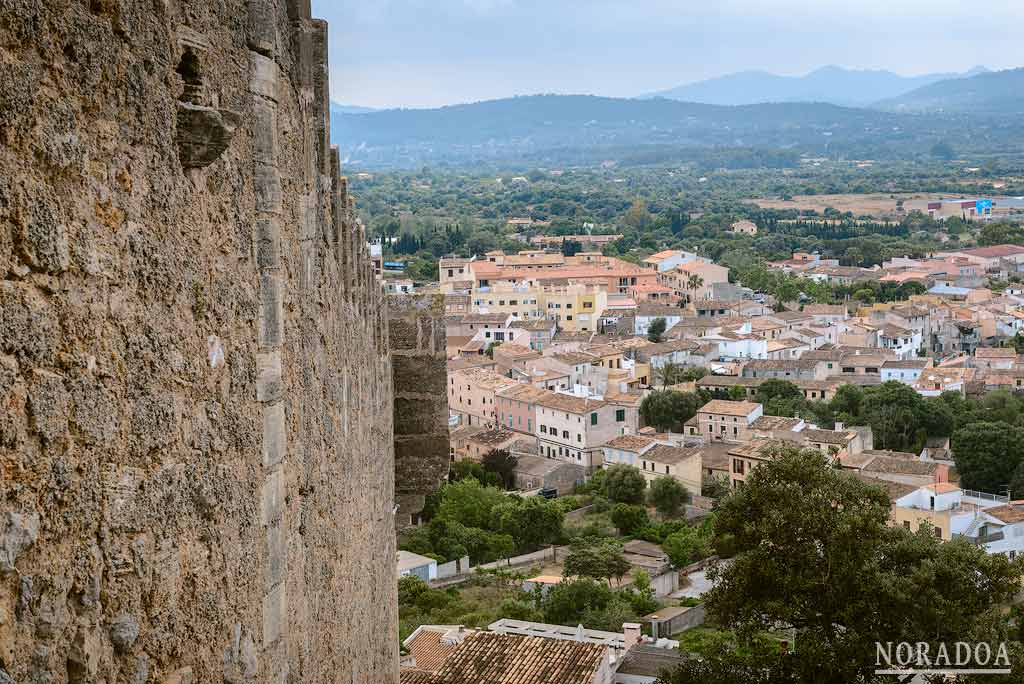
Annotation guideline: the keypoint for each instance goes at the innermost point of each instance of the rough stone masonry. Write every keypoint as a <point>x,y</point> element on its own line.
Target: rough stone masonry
<point>196,427</point>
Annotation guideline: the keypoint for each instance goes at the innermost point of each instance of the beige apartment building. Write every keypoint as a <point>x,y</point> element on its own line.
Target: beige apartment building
<point>720,420</point>
<point>744,227</point>
<point>520,301</point>
<point>471,393</point>
<point>454,274</point>
<point>573,307</point>
<point>575,429</point>
<point>678,279</point>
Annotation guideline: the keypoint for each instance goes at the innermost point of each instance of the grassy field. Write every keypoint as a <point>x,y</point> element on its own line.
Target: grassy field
<point>881,205</point>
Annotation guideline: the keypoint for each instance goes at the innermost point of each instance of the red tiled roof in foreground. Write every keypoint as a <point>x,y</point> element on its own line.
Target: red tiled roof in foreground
<point>489,658</point>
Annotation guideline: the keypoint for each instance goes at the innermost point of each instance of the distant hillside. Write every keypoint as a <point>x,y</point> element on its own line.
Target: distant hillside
<point>829,84</point>
<point>337,109</point>
<point>996,92</point>
<point>584,130</point>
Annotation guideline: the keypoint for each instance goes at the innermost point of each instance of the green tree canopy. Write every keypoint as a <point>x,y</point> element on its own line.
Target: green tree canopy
<point>1001,234</point>
<point>777,389</point>
<point>988,455</point>
<point>667,410</point>
<point>670,374</point>
<point>694,373</point>
<point>656,329</point>
<point>715,487</point>
<point>531,521</point>
<point>502,464</point>
<point>667,496</point>
<point>595,557</point>
<point>568,601</point>
<point>469,503</point>
<point>624,484</point>
<point>629,518</point>
<point>637,216</point>
<point>687,545</point>
<point>780,398</point>
<point>467,468</point>
<point>846,578</point>
<point>899,417</point>
<point>450,540</point>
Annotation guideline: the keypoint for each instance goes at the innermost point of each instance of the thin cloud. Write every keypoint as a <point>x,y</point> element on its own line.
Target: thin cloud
<point>433,52</point>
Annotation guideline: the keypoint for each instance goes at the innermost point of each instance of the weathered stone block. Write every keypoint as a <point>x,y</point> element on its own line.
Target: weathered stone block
<point>421,462</point>
<point>268,242</point>
<point>263,76</point>
<point>203,133</point>
<point>240,663</point>
<point>274,435</point>
<point>276,558</point>
<point>94,412</point>
<point>264,133</point>
<point>28,325</point>
<point>274,614</point>
<point>182,675</point>
<point>44,242</point>
<point>271,323</point>
<point>154,420</point>
<point>405,334</point>
<point>273,497</point>
<point>299,9</point>
<point>262,27</point>
<point>420,373</point>
<point>83,660</point>
<point>124,630</point>
<point>49,404</point>
<point>20,532</point>
<point>267,185</point>
<point>309,273</point>
<point>181,347</point>
<point>420,416</point>
<point>268,376</point>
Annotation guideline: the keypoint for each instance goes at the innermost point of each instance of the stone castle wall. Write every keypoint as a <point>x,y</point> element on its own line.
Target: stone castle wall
<point>196,457</point>
<point>419,361</point>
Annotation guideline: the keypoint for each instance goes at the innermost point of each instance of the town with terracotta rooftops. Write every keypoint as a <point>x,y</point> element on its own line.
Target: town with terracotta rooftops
<point>576,369</point>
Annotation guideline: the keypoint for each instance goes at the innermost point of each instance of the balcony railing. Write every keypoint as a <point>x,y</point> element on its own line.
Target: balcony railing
<point>985,496</point>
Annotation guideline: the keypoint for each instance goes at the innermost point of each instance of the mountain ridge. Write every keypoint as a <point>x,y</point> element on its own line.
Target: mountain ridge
<point>339,108</point>
<point>993,92</point>
<point>587,130</point>
<point>832,84</point>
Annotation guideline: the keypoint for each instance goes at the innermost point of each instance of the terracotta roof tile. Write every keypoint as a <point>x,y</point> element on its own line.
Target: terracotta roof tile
<point>1012,512</point>
<point>729,408</point>
<point>411,676</point>
<point>670,455</point>
<point>429,650</point>
<point>569,403</point>
<point>492,658</point>
<point>634,443</point>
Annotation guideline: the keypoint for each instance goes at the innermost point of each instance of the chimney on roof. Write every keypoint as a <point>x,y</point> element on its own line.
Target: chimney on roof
<point>631,634</point>
<point>839,426</point>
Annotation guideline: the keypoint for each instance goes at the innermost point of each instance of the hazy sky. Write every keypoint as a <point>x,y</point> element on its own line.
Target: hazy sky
<point>420,53</point>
